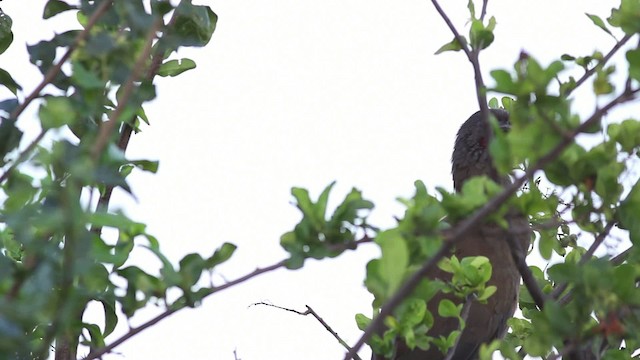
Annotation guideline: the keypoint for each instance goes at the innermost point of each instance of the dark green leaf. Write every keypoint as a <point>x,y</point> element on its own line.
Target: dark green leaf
<point>10,137</point>
<point>176,67</point>
<point>222,254</point>
<point>110,316</point>
<point>6,35</point>
<point>7,80</point>
<point>194,25</point>
<point>56,112</point>
<point>54,7</point>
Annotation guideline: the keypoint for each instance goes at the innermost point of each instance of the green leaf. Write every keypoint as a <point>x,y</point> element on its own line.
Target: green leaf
<point>472,9</point>
<point>84,78</point>
<point>56,112</point>
<point>176,67</point>
<point>10,137</point>
<point>626,133</point>
<point>628,213</point>
<point>633,57</point>
<point>6,35</point>
<point>54,7</point>
<point>96,338</point>
<point>599,23</point>
<point>454,45</point>
<point>147,165</point>
<point>487,292</point>
<point>7,80</point>
<point>412,312</point>
<point>222,254</point>
<point>626,17</point>
<point>480,36</point>
<point>601,83</point>
<point>362,321</point>
<point>191,267</point>
<point>446,308</point>
<point>193,26</point>
<point>394,260</point>
<point>110,316</point>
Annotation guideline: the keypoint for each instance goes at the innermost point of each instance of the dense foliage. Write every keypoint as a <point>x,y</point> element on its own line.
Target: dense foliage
<point>98,74</point>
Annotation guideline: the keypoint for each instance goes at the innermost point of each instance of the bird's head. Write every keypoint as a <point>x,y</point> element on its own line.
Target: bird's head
<point>471,151</point>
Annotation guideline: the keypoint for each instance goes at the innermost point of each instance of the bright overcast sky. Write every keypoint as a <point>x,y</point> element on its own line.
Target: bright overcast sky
<point>301,93</point>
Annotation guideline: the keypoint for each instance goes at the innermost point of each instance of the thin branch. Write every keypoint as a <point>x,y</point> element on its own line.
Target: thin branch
<point>314,314</point>
<point>127,129</point>
<point>134,331</point>
<point>108,126</point>
<point>600,63</point>
<point>471,222</point>
<point>473,55</point>
<point>527,276</point>
<point>464,315</point>
<point>483,12</point>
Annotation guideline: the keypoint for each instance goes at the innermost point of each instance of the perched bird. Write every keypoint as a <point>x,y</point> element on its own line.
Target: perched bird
<point>485,322</point>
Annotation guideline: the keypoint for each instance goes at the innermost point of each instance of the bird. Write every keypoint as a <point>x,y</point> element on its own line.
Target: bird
<point>488,321</point>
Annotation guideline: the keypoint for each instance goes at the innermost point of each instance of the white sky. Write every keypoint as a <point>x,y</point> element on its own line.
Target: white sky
<point>301,93</point>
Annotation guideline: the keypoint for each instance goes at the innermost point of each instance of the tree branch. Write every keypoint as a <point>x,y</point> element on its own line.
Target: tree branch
<point>320,320</point>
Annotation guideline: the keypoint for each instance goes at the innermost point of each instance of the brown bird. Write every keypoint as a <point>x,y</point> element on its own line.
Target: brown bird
<point>485,322</point>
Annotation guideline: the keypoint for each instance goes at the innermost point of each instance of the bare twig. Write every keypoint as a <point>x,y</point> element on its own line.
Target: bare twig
<point>483,12</point>
<point>471,222</point>
<point>320,320</point>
